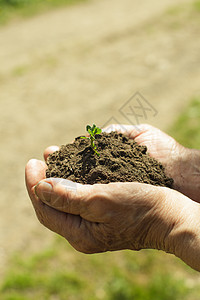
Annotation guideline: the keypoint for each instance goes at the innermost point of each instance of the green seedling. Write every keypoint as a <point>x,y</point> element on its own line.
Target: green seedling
<point>92,132</point>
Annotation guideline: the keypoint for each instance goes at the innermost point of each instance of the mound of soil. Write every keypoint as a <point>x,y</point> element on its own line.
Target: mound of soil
<point>121,160</point>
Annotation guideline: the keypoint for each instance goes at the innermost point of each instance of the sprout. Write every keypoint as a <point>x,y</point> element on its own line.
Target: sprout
<point>92,132</point>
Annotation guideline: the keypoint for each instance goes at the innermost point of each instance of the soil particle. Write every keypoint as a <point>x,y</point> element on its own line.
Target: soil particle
<point>121,160</point>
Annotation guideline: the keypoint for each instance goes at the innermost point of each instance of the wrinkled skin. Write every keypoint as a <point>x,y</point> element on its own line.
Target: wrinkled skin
<point>107,217</point>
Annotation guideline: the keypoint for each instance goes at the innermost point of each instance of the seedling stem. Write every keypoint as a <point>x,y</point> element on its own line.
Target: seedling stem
<point>92,132</point>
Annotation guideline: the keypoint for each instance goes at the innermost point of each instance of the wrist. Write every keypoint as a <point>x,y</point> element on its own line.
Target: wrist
<point>183,239</point>
<point>187,177</point>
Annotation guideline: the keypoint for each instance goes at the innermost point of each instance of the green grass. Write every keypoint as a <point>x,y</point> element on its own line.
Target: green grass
<point>15,9</point>
<point>186,129</point>
<point>60,272</point>
<point>197,5</point>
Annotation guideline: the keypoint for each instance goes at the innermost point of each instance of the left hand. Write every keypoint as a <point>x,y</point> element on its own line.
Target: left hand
<point>104,217</point>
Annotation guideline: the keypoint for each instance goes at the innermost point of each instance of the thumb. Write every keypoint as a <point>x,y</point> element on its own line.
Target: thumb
<point>63,195</point>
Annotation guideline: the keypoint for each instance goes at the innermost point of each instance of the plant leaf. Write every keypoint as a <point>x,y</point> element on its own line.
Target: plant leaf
<point>88,127</point>
<point>98,130</point>
<point>90,132</point>
<point>94,127</point>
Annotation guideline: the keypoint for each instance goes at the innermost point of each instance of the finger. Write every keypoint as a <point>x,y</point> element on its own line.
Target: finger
<point>59,222</point>
<point>132,131</point>
<point>63,195</point>
<point>87,201</point>
<point>50,150</point>
<point>34,172</point>
<point>115,127</point>
<point>92,202</point>
<point>137,130</point>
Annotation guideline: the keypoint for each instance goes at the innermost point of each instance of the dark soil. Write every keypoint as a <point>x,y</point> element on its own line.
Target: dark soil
<point>121,160</point>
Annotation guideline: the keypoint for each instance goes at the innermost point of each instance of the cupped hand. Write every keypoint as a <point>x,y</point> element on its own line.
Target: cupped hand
<point>160,145</point>
<point>108,217</point>
<point>102,217</point>
<point>182,164</point>
<point>98,218</point>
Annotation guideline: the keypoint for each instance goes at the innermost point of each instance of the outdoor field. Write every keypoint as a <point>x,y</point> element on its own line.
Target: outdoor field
<point>65,64</point>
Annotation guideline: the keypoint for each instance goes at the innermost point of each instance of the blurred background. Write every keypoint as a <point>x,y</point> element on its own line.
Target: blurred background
<point>68,63</point>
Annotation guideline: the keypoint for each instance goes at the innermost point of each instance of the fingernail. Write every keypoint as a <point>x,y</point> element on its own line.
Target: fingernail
<point>67,184</point>
<point>43,190</point>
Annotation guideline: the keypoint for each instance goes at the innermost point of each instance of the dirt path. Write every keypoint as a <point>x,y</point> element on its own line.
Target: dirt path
<point>79,65</point>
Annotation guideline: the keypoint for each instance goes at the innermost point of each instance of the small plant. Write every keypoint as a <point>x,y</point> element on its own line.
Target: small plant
<point>92,132</point>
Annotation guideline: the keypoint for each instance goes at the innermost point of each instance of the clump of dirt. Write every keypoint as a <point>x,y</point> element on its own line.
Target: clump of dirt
<point>121,160</point>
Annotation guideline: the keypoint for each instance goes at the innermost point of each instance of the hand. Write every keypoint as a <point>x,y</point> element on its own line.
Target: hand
<point>182,164</point>
<point>116,216</point>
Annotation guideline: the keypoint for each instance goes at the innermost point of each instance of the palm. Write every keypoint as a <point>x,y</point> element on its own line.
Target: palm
<point>160,146</point>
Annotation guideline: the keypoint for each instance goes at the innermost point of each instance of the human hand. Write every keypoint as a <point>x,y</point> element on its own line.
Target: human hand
<point>182,164</point>
<point>115,216</point>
